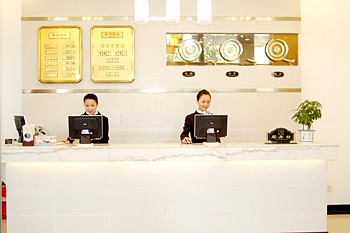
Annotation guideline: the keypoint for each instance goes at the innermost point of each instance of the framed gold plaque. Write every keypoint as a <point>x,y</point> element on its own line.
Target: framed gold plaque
<point>112,54</point>
<point>60,58</point>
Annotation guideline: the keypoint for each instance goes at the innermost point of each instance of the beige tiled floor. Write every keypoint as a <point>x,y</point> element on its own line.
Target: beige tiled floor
<point>3,226</point>
<point>336,224</point>
<point>339,223</point>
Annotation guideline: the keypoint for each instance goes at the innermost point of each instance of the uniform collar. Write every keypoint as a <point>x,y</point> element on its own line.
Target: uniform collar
<point>204,112</point>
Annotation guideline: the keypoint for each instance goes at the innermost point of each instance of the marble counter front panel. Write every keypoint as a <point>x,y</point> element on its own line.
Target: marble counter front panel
<point>167,188</point>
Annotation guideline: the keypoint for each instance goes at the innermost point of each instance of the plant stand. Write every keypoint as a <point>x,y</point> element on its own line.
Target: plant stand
<point>307,136</point>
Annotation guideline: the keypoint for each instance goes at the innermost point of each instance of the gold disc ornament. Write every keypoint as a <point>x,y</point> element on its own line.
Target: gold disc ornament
<point>231,49</point>
<point>190,49</point>
<point>276,49</point>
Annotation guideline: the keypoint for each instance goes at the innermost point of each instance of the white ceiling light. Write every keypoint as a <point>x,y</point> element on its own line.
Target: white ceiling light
<point>141,11</point>
<point>173,11</point>
<point>204,11</point>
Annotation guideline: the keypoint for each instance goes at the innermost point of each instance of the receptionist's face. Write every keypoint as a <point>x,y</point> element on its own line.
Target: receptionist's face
<point>90,106</point>
<point>204,102</point>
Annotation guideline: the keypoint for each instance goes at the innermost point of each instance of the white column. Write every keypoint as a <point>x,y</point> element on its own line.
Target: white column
<point>10,65</point>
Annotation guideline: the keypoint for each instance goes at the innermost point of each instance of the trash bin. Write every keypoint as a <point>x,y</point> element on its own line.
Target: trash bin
<point>3,195</point>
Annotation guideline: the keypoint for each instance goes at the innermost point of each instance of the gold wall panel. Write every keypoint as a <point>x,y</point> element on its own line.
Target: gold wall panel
<point>112,54</point>
<point>59,54</point>
<point>231,49</point>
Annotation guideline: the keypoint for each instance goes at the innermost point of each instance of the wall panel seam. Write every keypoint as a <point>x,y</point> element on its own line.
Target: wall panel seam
<point>161,90</point>
<point>155,18</point>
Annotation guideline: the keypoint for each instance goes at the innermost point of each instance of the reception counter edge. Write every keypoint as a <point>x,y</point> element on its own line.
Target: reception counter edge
<point>168,152</point>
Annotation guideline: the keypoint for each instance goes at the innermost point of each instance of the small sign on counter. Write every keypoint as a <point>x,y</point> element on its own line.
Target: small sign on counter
<point>45,140</point>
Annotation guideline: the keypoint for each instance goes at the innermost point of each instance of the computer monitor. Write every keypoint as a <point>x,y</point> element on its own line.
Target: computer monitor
<point>19,122</point>
<point>210,127</point>
<point>85,127</point>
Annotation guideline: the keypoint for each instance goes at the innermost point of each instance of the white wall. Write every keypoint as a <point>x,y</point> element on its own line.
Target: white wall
<point>10,65</point>
<point>324,59</point>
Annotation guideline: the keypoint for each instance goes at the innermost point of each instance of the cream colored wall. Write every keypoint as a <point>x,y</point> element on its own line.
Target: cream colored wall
<point>144,117</point>
<point>10,65</point>
<point>324,55</point>
<point>289,8</point>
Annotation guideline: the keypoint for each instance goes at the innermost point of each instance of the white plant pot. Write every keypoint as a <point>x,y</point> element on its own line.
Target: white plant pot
<point>307,136</point>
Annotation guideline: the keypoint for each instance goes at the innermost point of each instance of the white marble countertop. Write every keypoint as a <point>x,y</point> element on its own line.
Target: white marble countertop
<point>168,152</point>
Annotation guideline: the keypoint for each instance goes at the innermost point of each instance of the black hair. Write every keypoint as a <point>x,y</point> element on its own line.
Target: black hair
<point>202,92</point>
<point>91,96</point>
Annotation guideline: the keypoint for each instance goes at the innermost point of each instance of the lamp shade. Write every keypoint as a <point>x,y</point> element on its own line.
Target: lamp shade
<point>141,11</point>
<point>204,12</point>
<point>173,11</point>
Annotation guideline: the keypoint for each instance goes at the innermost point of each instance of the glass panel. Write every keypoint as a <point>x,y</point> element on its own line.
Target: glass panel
<point>232,49</point>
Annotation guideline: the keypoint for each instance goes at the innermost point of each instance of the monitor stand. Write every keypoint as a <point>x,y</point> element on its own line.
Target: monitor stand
<point>85,139</point>
<point>20,138</point>
<point>211,138</point>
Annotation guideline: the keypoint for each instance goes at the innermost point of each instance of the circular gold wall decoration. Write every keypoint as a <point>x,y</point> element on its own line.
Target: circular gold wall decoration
<point>231,49</point>
<point>190,49</point>
<point>276,49</point>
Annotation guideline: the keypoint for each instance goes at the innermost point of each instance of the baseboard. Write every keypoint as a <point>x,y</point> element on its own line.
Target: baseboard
<point>338,209</point>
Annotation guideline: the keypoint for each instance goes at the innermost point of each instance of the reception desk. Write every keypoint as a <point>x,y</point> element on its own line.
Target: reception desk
<point>167,188</point>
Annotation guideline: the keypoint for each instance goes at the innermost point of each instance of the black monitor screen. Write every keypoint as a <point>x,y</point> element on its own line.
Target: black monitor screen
<point>85,127</point>
<point>19,122</point>
<point>210,127</point>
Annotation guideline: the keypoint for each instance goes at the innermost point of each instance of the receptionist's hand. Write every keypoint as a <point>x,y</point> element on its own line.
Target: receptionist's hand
<point>186,140</point>
<point>64,141</point>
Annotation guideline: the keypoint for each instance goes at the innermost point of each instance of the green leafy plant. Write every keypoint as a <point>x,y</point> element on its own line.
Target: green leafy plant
<point>307,112</point>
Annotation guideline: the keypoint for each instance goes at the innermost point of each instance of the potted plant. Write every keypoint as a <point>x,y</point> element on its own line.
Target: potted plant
<point>306,113</point>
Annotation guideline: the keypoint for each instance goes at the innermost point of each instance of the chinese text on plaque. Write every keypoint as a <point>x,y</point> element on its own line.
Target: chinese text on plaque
<point>112,54</point>
<point>59,54</point>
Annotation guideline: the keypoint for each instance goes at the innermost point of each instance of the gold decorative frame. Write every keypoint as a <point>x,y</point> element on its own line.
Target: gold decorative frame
<point>59,54</point>
<point>112,54</point>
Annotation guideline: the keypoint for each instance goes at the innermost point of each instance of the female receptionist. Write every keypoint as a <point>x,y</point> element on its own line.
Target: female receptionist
<point>90,105</point>
<point>203,101</point>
